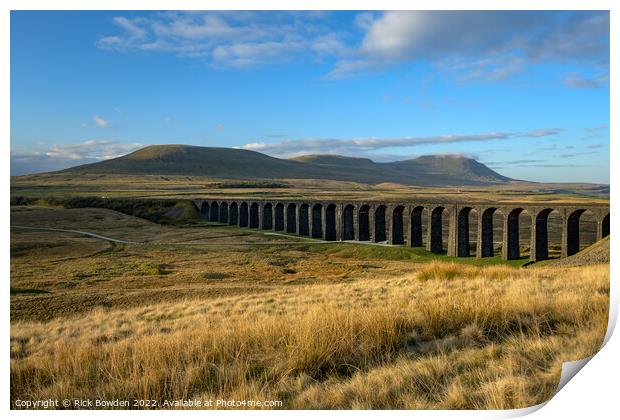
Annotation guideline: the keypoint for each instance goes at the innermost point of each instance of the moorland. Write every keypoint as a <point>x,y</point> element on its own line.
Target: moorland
<point>115,295</point>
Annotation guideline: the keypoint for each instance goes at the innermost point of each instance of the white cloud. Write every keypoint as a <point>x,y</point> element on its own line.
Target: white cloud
<point>227,39</point>
<point>329,44</point>
<point>132,26</point>
<point>479,44</point>
<point>245,55</point>
<point>498,67</point>
<point>541,132</point>
<point>364,145</point>
<point>112,43</point>
<point>597,128</point>
<point>599,132</point>
<point>92,149</point>
<point>350,67</point>
<point>364,20</point>
<point>100,121</point>
<point>201,26</point>
<point>577,81</point>
<point>61,156</point>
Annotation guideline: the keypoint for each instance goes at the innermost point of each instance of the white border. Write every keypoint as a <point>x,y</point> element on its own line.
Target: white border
<point>593,393</point>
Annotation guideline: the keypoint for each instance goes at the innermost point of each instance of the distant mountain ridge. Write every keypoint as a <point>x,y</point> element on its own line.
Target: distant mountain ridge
<point>221,162</point>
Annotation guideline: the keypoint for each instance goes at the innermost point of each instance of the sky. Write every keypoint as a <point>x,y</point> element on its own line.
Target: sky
<point>524,92</point>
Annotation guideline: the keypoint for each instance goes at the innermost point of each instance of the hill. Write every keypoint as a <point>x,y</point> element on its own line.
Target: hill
<point>451,166</point>
<point>219,162</point>
<point>597,253</point>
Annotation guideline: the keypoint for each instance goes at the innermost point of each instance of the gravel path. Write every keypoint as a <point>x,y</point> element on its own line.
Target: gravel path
<point>305,241</point>
<point>78,232</point>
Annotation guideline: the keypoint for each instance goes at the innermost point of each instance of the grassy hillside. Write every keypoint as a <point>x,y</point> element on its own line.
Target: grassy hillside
<point>244,164</point>
<point>597,253</point>
<point>450,167</point>
<point>218,162</point>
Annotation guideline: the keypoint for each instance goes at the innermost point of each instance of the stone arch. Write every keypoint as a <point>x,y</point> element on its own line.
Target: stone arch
<point>233,215</point>
<point>204,210</point>
<point>435,243</point>
<point>588,226</point>
<point>330,222</point>
<point>398,231</point>
<point>605,226</point>
<point>572,232</point>
<point>291,218</point>
<point>380,225</point>
<point>416,230</point>
<point>512,242</point>
<point>278,222</point>
<point>363,223</point>
<point>487,242</point>
<point>254,219</point>
<point>348,228</point>
<point>541,237</point>
<point>580,230</point>
<point>243,215</point>
<point>304,216</point>
<point>214,212</point>
<point>463,248</point>
<point>224,212</point>
<point>267,216</point>
<point>317,221</point>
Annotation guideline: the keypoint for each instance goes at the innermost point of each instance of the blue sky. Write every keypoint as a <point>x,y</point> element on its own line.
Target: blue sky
<point>526,93</point>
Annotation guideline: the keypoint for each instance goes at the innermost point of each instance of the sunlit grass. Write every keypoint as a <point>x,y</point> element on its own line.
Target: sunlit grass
<point>447,336</point>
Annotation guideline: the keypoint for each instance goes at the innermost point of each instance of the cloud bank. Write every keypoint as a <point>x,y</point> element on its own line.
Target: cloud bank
<point>479,44</point>
<point>61,156</point>
<point>239,39</point>
<point>490,45</point>
<point>364,145</point>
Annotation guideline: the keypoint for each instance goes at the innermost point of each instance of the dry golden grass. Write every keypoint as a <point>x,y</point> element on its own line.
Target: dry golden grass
<point>444,336</point>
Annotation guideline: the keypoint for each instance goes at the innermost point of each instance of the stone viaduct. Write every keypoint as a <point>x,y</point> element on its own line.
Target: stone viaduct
<point>400,223</point>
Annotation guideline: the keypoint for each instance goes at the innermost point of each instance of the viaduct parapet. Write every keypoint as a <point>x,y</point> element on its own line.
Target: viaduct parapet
<point>401,223</point>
